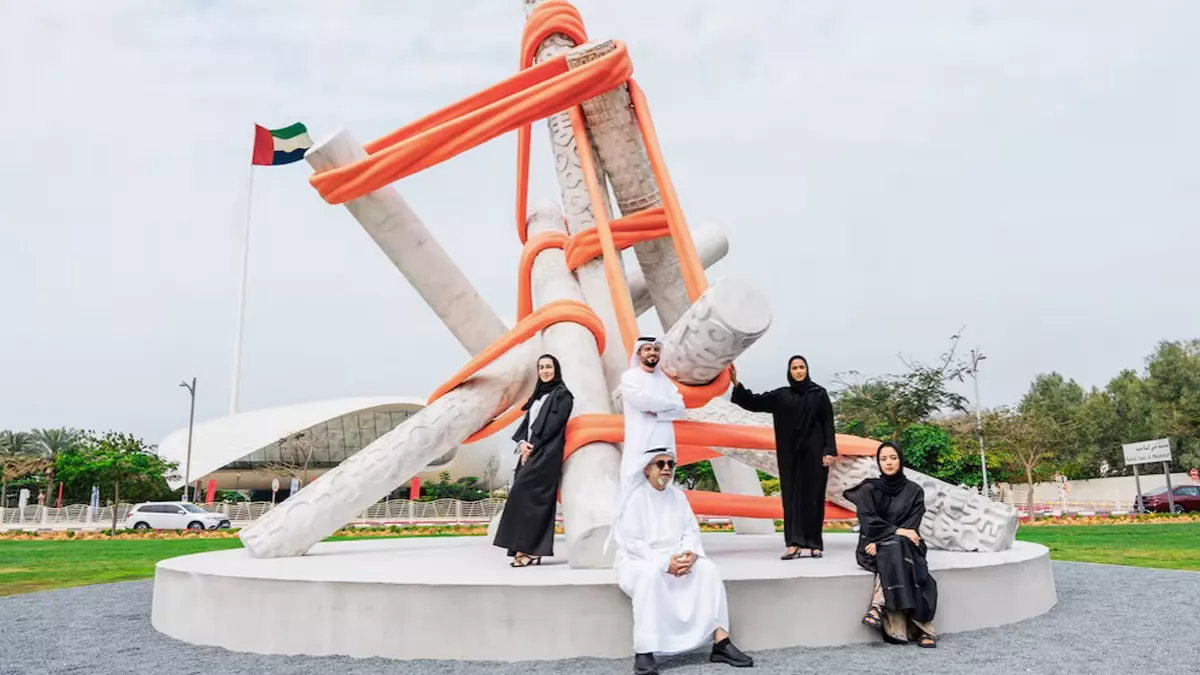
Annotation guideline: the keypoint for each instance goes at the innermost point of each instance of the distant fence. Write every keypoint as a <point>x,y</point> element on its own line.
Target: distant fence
<point>391,511</point>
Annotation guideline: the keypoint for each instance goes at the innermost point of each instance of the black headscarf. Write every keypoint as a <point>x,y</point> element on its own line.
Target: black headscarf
<point>801,386</point>
<point>889,485</point>
<point>544,388</point>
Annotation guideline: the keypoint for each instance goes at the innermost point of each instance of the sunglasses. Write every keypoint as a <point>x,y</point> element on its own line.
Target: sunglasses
<point>665,464</point>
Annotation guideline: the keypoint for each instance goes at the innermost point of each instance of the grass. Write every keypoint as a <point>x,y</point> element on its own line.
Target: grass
<point>28,566</point>
<point>1165,546</point>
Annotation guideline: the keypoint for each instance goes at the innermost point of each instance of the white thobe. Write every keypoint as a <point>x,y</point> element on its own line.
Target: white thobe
<point>651,403</point>
<point>670,614</point>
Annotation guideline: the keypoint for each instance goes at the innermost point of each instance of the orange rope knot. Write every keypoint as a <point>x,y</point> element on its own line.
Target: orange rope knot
<point>558,311</point>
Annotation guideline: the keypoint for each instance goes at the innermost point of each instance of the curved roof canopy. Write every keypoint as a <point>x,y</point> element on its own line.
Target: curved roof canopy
<point>217,443</point>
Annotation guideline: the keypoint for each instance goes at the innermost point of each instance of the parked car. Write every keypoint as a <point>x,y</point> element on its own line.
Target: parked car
<point>173,516</point>
<point>1187,498</point>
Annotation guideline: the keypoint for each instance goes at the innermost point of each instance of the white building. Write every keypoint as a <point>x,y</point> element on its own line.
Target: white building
<point>247,450</point>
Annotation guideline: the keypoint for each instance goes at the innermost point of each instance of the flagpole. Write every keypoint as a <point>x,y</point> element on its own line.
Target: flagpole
<point>237,349</point>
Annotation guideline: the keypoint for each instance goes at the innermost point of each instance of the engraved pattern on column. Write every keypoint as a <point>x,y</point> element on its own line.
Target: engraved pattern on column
<point>621,151</point>
<point>578,210</point>
<point>329,502</point>
<point>700,345</point>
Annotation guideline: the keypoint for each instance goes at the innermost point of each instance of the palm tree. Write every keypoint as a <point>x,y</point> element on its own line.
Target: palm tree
<point>51,443</point>
<point>16,448</point>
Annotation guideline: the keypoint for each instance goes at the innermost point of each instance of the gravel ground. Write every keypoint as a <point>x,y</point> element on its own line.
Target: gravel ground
<point>1109,620</point>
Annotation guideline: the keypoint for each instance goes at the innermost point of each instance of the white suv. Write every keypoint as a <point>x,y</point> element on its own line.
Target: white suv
<point>173,516</point>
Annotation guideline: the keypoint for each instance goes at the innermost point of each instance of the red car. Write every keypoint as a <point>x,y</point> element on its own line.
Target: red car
<point>1187,498</point>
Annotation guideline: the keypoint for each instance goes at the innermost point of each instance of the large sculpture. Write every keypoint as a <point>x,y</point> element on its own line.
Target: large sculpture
<point>577,301</point>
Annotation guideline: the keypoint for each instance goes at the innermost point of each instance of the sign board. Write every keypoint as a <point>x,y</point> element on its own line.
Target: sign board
<point>274,485</point>
<point>1195,475</point>
<point>295,486</point>
<point>1147,452</point>
<point>23,498</point>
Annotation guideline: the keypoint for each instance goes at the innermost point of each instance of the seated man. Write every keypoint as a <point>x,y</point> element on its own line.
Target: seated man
<point>677,593</point>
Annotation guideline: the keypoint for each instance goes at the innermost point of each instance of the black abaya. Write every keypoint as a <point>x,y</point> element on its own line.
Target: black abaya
<point>527,523</point>
<point>803,418</point>
<point>903,572</point>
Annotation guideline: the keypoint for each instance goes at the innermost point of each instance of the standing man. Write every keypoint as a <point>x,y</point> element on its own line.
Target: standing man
<point>677,593</point>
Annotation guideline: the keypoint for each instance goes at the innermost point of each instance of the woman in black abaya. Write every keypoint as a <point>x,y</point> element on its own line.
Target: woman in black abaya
<point>890,509</point>
<point>804,446</point>
<point>526,526</point>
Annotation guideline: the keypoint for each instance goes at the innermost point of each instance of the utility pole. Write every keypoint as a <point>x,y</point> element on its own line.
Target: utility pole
<point>187,466</point>
<point>976,357</point>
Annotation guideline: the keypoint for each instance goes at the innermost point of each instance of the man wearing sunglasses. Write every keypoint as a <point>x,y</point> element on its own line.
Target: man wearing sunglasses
<point>677,593</point>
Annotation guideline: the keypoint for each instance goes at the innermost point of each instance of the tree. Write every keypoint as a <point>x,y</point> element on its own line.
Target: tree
<point>295,455</point>
<point>51,443</point>
<point>491,467</point>
<point>1026,443</point>
<point>698,476</point>
<point>16,467</point>
<point>1056,402</point>
<point>934,451</point>
<point>884,407</point>
<point>463,489</point>
<point>1173,383</point>
<point>119,460</point>
<point>16,459</point>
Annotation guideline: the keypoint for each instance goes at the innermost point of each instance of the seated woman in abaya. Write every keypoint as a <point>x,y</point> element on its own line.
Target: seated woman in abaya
<point>526,525</point>
<point>890,509</point>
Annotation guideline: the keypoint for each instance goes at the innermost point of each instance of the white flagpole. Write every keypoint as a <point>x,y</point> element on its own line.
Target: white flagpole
<point>237,349</point>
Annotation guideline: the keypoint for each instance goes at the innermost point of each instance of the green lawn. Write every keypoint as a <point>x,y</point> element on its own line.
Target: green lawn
<point>1168,546</point>
<point>27,566</point>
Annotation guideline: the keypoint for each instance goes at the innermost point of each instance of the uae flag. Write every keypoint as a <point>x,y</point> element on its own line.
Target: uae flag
<point>280,146</point>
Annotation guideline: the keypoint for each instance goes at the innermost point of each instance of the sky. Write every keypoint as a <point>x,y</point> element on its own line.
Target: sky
<point>887,173</point>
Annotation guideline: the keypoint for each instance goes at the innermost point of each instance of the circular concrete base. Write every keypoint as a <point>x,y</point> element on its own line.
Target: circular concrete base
<point>457,598</point>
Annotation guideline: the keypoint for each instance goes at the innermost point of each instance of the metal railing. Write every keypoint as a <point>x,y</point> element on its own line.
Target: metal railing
<point>394,511</point>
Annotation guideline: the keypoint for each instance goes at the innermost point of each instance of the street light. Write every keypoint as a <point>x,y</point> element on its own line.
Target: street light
<point>187,467</point>
<point>976,357</point>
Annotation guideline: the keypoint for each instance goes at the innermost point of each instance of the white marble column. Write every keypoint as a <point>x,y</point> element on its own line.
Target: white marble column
<point>711,245</point>
<point>410,246</point>
<point>332,500</point>
<point>622,154</point>
<point>722,324</point>
<point>577,207</point>
<point>590,474</point>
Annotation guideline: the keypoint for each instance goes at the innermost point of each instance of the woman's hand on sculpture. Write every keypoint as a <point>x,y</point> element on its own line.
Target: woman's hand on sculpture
<point>733,374</point>
<point>870,548</point>
<point>827,460</point>
<point>910,535</point>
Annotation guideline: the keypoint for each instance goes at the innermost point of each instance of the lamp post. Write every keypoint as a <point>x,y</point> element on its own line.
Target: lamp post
<point>976,357</point>
<point>187,466</point>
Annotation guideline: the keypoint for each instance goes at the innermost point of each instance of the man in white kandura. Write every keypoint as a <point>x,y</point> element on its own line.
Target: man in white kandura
<point>677,593</point>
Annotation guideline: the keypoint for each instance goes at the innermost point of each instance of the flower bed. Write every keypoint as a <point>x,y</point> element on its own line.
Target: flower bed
<point>1129,519</point>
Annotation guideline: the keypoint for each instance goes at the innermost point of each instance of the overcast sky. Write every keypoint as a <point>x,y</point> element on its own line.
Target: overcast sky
<point>887,172</point>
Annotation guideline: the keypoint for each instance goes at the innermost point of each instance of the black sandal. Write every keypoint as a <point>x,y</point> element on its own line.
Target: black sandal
<point>874,617</point>
<point>816,553</point>
<point>790,556</point>
<point>523,560</point>
<point>927,641</point>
